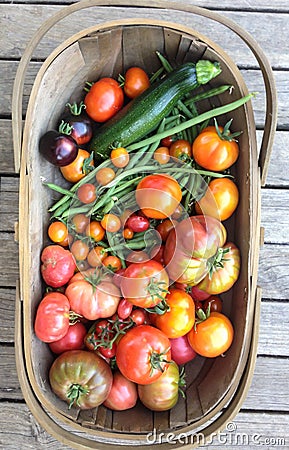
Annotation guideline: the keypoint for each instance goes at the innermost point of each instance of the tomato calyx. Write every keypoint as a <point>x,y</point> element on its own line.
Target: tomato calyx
<point>74,317</point>
<point>65,128</point>
<point>76,109</point>
<point>182,382</point>
<point>226,134</point>
<point>110,333</point>
<point>87,167</point>
<point>157,360</point>
<point>216,261</point>
<point>74,392</point>
<point>155,289</point>
<point>161,308</point>
<point>202,315</point>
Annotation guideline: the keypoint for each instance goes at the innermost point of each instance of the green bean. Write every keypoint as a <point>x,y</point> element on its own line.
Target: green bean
<point>59,189</point>
<point>166,65</point>
<point>207,94</point>
<point>194,121</point>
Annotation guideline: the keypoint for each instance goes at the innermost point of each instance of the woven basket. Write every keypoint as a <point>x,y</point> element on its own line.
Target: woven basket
<point>216,387</point>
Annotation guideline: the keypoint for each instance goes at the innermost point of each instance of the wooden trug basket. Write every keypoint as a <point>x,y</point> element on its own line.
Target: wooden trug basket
<point>216,388</point>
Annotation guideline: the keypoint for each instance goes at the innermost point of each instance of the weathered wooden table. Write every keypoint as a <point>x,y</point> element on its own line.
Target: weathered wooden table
<point>264,418</point>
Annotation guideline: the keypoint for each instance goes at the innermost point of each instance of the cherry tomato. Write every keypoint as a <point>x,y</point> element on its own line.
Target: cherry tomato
<point>220,200</point>
<point>124,309</point>
<point>57,231</point>
<point>79,249</point>
<point>104,99</point>
<point>119,157</point>
<point>165,227</point>
<point>96,255</point>
<point>162,155</point>
<point>158,195</point>
<point>136,81</point>
<point>180,317</point>
<point>214,149</point>
<point>76,170</point>
<point>143,354</point>
<point>137,223</point>
<point>213,336</point>
<point>181,149</point>
<point>128,233</point>
<point>214,302</point>
<point>95,230</point>
<point>113,263</point>
<point>105,175</point>
<point>167,141</point>
<point>79,223</point>
<point>111,223</point>
<point>140,316</point>
<point>86,193</point>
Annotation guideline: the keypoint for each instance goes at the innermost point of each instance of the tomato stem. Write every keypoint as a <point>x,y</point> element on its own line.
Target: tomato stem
<point>74,392</point>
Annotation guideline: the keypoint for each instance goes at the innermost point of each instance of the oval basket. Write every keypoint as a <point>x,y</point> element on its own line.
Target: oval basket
<point>217,387</point>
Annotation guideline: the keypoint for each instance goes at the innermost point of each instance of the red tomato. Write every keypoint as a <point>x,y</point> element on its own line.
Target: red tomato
<point>224,272</point>
<point>73,340</point>
<point>214,302</point>
<point>136,81</point>
<point>163,394</point>
<point>81,378</point>
<point>123,394</point>
<point>215,149</point>
<point>213,336</point>
<point>189,246</point>
<point>180,317</point>
<point>143,354</point>
<point>140,316</point>
<point>165,227</point>
<point>124,309</point>
<point>197,294</point>
<point>145,284</point>
<point>104,99</point>
<point>137,223</point>
<point>93,301</point>
<point>158,196</point>
<point>181,350</point>
<point>52,317</point>
<point>58,265</point>
<point>220,200</point>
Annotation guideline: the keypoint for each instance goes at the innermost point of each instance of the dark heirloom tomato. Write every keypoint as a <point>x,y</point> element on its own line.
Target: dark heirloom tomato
<point>212,336</point>
<point>180,317</point>
<point>123,394</point>
<point>81,378</point>
<point>143,354</point>
<point>158,196</point>
<point>52,317</point>
<point>163,394</point>
<point>57,148</point>
<point>189,245</point>
<point>145,284</point>
<point>58,265</point>
<point>224,271</point>
<point>77,124</point>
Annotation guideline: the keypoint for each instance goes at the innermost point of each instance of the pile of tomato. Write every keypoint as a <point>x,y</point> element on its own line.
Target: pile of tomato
<point>122,325</point>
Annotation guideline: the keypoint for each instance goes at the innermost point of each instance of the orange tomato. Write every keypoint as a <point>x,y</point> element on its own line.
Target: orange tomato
<point>76,170</point>
<point>220,200</point>
<point>57,231</point>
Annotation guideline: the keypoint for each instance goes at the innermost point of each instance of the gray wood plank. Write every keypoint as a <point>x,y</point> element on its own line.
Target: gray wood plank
<point>7,315</point>
<point>13,45</point>
<point>275,213</point>
<point>273,271</point>
<point>8,260</point>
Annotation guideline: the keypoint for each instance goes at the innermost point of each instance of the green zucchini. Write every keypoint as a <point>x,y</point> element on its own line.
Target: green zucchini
<point>143,114</point>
